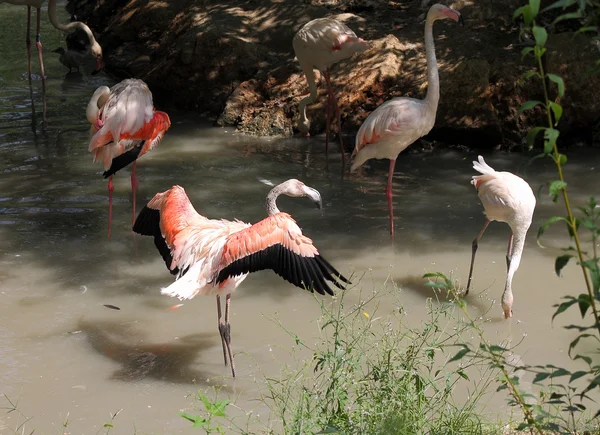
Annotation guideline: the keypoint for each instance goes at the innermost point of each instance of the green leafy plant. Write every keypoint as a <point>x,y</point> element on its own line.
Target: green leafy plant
<point>213,409</point>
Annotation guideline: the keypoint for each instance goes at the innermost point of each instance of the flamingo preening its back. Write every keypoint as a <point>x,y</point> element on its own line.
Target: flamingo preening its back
<point>213,257</point>
<point>397,123</point>
<point>505,198</point>
<point>125,126</point>
<point>319,44</point>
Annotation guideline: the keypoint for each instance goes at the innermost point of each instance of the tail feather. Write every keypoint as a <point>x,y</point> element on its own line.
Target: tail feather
<point>123,160</point>
<point>483,167</point>
<point>148,224</point>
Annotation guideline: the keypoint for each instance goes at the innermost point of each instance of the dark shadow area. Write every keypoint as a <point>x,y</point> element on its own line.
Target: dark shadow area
<point>167,362</point>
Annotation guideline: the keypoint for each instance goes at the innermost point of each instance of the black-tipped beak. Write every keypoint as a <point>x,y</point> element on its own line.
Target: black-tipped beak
<point>314,196</point>
<point>461,21</point>
<point>99,65</point>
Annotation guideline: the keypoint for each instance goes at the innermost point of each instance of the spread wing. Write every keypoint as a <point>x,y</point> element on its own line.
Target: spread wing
<point>277,243</point>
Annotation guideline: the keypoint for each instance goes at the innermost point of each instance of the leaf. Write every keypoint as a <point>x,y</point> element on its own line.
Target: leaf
<point>525,51</point>
<point>559,372</point>
<point>463,375</point>
<point>563,306</point>
<point>588,29</point>
<point>527,105</point>
<point>568,16</point>
<point>219,408</point>
<point>550,137</point>
<point>559,82</point>
<point>540,35</point>
<point>108,425</point>
<point>527,14</point>
<point>557,110</point>
<point>562,159</point>
<point>532,135</point>
<point>198,420</point>
<point>547,224</point>
<point>561,262</point>
<point>535,6</point>
<point>577,375</point>
<point>540,377</point>
<point>559,4</point>
<point>556,187</point>
<point>496,348</point>
<point>529,74</point>
<point>459,354</point>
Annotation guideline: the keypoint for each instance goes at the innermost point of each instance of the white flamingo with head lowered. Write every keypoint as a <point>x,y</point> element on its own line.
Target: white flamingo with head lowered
<point>505,198</point>
<point>319,44</point>
<point>212,257</point>
<point>95,48</point>
<point>397,123</point>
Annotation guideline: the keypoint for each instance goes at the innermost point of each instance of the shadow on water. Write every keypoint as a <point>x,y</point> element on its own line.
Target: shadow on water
<point>174,361</point>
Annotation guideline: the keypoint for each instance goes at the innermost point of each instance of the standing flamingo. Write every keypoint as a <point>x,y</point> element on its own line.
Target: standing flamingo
<point>505,198</point>
<point>397,123</point>
<point>319,44</point>
<point>125,126</point>
<point>213,257</point>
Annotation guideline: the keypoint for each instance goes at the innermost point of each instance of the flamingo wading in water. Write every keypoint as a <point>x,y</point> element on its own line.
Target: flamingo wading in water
<point>505,198</point>
<point>319,44</point>
<point>399,122</point>
<point>213,257</point>
<point>125,126</point>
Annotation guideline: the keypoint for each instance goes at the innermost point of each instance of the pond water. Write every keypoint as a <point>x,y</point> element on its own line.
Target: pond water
<point>65,356</point>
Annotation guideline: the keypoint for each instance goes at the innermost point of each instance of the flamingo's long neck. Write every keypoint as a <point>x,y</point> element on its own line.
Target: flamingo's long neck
<point>433,80</point>
<point>96,102</point>
<point>68,27</point>
<point>304,124</point>
<point>514,257</point>
<point>272,200</point>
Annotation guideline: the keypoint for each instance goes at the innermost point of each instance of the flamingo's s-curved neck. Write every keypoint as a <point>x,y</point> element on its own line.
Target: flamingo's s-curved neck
<point>433,80</point>
<point>272,200</point>
<point>311,98</point>
<point>96,102</point>
<point>68,27</point>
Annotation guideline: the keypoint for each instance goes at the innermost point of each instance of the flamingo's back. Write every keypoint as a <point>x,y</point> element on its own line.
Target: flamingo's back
<point>505,196</point>
<point>325,41</point>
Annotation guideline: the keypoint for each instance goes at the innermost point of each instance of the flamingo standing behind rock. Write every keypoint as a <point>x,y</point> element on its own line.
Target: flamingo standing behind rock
<point>319,44</point>
<point>125,126</point>
<point>397,123</point>
<point>505,198</point>
<point>213,257</point>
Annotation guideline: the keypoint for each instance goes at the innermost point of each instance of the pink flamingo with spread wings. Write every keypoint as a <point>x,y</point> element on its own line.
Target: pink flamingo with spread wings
<point>319,44</point>
<point>397,123</point>
<point>125,126</point>
<point>213,257</point>
<point>505,198</point>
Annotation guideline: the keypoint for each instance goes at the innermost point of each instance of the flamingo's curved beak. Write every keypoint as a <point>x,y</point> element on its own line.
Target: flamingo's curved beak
<point>314,196</point>
<point>99,65</point>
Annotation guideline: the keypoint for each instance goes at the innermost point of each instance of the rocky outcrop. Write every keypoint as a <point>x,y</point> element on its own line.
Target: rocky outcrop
<point>234,62</point>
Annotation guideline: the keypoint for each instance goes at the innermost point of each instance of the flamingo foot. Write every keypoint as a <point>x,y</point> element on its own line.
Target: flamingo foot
<point>111,188</point>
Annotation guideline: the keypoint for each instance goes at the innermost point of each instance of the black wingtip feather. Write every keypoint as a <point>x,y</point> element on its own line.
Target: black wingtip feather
<point>148,224</point>
<point>123,160</point>
<point>304,272</point>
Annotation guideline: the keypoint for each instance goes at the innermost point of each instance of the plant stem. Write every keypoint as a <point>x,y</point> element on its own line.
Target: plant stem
<point>571,218</point>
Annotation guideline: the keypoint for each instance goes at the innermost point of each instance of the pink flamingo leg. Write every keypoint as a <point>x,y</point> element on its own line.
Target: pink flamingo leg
<point>337,113</point>
<point>134,186</point>
<point>28,41</point>
<point>221,329</point>
<point>39,47</point>
<point>474,251</point>
<point>111,187</point>
<point>388,194</point>
<point>328,118</point>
